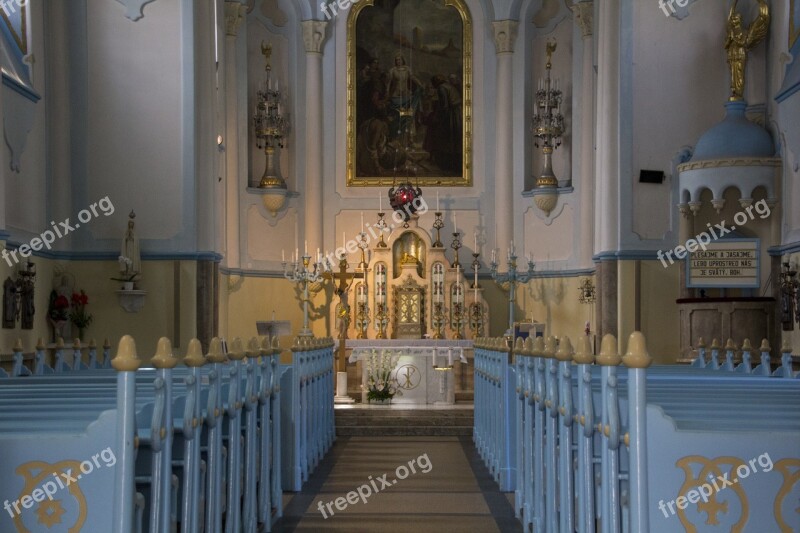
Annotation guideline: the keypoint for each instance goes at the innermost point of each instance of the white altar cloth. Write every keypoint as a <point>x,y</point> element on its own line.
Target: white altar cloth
<point>417,379</point>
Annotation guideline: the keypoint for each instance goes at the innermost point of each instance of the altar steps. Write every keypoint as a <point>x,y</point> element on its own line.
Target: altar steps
<point>395,421</point>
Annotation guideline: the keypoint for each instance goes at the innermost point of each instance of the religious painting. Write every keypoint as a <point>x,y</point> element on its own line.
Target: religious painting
<point>409,93</point>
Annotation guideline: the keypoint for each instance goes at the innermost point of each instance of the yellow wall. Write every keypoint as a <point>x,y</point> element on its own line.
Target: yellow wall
<point>156,319</point>
<point>659,317</point>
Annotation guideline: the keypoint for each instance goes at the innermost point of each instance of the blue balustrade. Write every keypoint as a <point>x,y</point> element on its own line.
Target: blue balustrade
<point>307,411</point>
<point>169,428</point>
<point>606,448</point>
<point>495,410</point>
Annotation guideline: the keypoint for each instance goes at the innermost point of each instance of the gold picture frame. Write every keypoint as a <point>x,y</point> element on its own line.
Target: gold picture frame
<point>423,129</point>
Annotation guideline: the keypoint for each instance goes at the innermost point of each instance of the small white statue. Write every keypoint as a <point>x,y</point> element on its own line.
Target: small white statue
<point>130,262</point>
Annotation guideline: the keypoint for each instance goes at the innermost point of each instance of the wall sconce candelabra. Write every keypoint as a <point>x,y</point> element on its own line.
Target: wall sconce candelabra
<point>270,128</point>
<point>790,297</point>
<point>548,122</point>
<point>548,129</point>
<point>587,291</point>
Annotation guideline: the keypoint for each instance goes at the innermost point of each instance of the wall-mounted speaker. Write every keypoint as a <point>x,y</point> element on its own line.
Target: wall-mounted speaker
<point>651,176</point>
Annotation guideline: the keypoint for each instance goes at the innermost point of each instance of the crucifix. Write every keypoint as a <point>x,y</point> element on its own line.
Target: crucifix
<point>346,280</point>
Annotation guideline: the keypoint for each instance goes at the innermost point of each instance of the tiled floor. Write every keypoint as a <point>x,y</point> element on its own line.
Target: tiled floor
<point>451,490</point>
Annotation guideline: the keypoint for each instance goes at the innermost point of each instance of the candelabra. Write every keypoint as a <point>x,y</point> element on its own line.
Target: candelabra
<point>476,308</point>
<point>381,226</point>
<point>381,320</point>
<point>438,224</point>
<point>790,297</point>
<point>456,245</point>
<point>303,274</point>
<point>458,320</point>
<point>362,319</point>
<point>512,277</point>
<point>476,319</point>
<point>548,122</point>
<point>438,318</point>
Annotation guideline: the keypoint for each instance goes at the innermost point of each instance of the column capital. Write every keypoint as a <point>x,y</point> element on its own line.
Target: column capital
<point>314,35</point>
<point>234,15</point>
<point>505,34</point>
<point>584,15</point>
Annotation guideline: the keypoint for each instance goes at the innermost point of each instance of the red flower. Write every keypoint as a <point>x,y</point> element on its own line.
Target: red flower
<point>61,302</point>
<point>80,298</point>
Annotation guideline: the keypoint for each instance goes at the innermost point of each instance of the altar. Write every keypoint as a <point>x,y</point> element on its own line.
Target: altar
<point>424,369</point>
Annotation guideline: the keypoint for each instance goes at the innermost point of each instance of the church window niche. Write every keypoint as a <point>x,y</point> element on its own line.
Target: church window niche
<point>408,248</point>
<point>362,310</point>
<point>437,283</point>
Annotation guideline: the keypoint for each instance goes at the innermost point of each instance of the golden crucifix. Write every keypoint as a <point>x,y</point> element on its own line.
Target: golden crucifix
<point>739,41</point>
<point>346,280</point>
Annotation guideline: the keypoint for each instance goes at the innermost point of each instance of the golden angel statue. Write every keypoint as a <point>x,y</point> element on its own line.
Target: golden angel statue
<point>740,40</point>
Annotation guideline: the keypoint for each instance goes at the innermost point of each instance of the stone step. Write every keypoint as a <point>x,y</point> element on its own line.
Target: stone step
<point>394,431</point>
<point>396,421</point>
<point>404,421</point>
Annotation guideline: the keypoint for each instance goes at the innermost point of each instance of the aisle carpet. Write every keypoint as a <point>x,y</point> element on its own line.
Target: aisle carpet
<point>457,493</point>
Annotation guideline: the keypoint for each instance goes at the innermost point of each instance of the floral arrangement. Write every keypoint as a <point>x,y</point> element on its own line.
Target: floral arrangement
<point>58,310</point>
<point>127,264</point>
<point>79,317</point>
<point>379,375</point>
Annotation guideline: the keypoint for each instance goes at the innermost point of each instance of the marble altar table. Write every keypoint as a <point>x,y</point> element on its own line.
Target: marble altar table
<point>416,372</point>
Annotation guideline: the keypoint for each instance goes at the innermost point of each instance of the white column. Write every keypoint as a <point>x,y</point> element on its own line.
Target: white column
<point>583,12</point>
<point>205,126</point>
<point>607,158</point>
<point>505,33</point>
<point>313,37</point>
<point>234,14</point>
<point>59,111</point>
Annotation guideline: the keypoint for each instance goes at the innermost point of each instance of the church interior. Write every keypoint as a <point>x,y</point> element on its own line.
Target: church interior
<point>382,265</point>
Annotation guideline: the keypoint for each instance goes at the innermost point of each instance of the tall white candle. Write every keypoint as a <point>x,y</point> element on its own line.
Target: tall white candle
<point>362,221</point>
<point>437,202</point>
<point>296,254</point>
<point>476,243</point>
<point>343,240</point>
<point>380,203</point>
<point>305,249</point>
<point>455,224</point>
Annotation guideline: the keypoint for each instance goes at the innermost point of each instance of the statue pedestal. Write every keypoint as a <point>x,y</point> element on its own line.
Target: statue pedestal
<point>341,389</point>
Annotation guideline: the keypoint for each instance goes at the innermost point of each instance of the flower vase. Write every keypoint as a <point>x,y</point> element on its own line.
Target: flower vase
<point>127,286</point>
<point>387,401</point>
